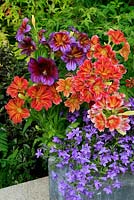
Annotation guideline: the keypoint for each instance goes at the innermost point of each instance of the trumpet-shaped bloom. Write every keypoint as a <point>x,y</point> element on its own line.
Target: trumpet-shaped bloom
<point>100,121</point>
<point>60,41</point>
<point>41,97</point>
<point>43,70</point>
<point>114,102</point>
<point>113,122</point>
<point>15,109</point>
<point>27,45</point>
<point>125,50</point>
<point>73,57</point>
<point>19,85</point>
<point>83,41</point>
<point>24,28</point>
<point>65,86</point>
<point>73,103</point>
<point>56,99</point>
<point>116,36</point>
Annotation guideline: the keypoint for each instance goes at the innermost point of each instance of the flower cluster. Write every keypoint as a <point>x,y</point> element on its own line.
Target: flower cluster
<point>71,71</point>
<point>94,159</point>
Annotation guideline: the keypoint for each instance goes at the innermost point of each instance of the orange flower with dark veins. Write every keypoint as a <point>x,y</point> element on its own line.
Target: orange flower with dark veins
<point>16,110</point>
<point>56,99</point>
<point>19,85</point>
<point>113,122</point>
<point>65,86</point>
<point>100,121</point>
<point>73,103</point>
<point>116,36</point>
<point>41,97</point>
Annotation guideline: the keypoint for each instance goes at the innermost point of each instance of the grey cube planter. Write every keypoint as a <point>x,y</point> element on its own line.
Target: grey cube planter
<point>126,192</point>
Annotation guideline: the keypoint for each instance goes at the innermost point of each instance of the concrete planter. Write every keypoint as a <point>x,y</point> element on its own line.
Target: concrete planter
<point>32,190</point>
<point>126,192</point>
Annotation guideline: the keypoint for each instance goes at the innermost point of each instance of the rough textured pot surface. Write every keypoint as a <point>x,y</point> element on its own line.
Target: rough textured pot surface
<point>126,192</point>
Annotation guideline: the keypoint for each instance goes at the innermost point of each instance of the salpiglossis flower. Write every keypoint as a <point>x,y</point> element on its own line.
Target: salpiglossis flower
<point>43,70</point>
<point>19,85</point>
<point>41,97</point>
<point>15,109</point>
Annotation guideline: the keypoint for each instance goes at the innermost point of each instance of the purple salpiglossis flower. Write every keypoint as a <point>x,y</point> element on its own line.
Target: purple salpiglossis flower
<point>39,153</point>
<point>24,28</point>
<point>60,41</point>
<point>83,41</point>
<point>73,57</point>
<point>27,45</point>
<point>41,37</point>
<point>43,70</point>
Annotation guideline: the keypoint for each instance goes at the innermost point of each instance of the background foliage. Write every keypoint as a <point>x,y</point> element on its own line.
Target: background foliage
<point>17,148</point>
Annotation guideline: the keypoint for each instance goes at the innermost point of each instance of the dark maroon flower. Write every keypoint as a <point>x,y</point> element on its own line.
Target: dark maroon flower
<point>27,45</point>
<point>24,28</point>
<point>43,70</point>
<point>74,57</point>
<point>60,41</point>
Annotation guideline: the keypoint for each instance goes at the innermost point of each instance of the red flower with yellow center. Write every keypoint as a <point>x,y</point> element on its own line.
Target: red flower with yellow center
<point>114,102</point>
<point>113,122</point>
<point>16,110</point>
<point>116,36</point>
<point>41,97</point>
<point>19,85</point>
<point>56,99</point>
<point>100,121</point>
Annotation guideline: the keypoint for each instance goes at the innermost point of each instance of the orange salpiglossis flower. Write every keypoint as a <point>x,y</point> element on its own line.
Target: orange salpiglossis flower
<point>15,109</point>
<point>41,97</point>
<point>130,82</point>
<point>56,99</point>
<point>65,86</point>
<point>125,50</point>
<point>108,113</point>
<point>116,36</point>
<point>113,122</point>
<point>100,121</point>
<point>73,103</point>
<point>105,51</point>
<point>19,85</point>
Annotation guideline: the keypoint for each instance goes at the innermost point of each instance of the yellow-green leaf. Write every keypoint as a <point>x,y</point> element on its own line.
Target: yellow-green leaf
<point>127,113</point>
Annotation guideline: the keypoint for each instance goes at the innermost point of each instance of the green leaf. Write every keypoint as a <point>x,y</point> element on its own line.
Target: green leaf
<point>27,124</point>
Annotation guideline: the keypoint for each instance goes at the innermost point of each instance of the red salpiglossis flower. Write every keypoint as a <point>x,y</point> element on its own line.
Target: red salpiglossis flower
<point>65,86</point>
<point>16,110</point>
<point>41,97</point>
<point>113,87</point>
<point>113,122</point>
<point>114,102</point>
<point>19,85</point>
<point>85,69</point>
<point>93,42</point>
<point>98,89</point>
<point>56,99</point>
<point>73,103</point>
<point>100,121</point>
<point>116,36</point>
